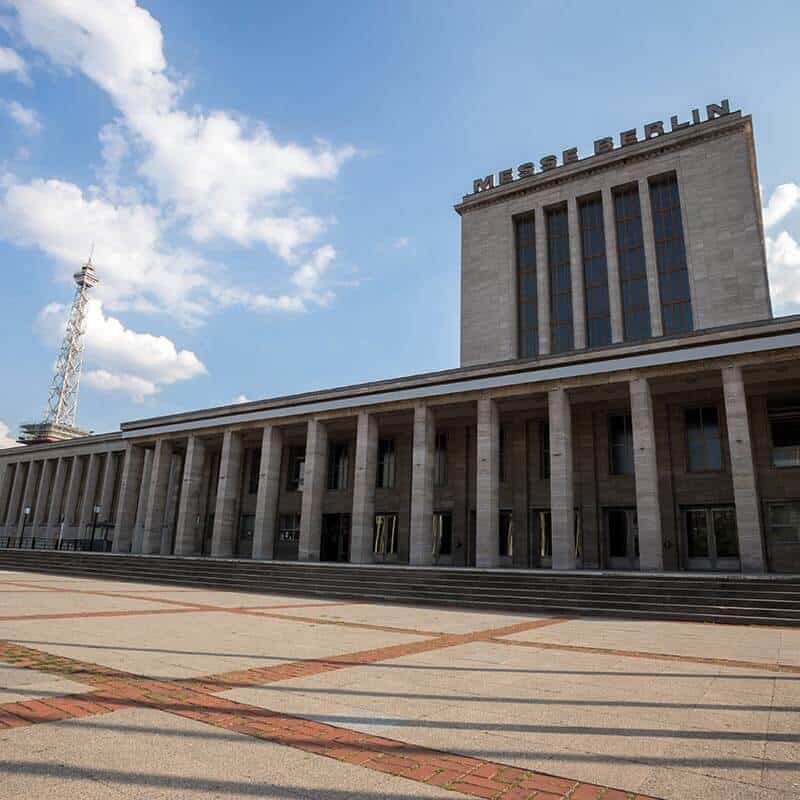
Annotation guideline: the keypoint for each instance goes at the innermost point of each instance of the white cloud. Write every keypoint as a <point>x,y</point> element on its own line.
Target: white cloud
<point>308,276</point>
<point>221,172</point>
<point>25,117</point>
<point>783,263</point>
<point>6,439</point>
<point>241,398</point>
<point>12,63</point>
<point>120,359</point>
<point>783,200</point>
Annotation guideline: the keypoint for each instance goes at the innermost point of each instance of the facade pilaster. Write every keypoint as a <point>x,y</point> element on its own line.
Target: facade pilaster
<point>141,507</point>
<point>745,490</point>
<point>576,275</point>
<point>223,539</point>
<point>40,509</point>
<point>130,489</point>
<point>157,496</point>
<point>487,515</point>
<point>651,264</point>
<point>422,466</point>
<point>107,487</point>
<point>542,282</point>
<point>269,478</point>
<point>313,490</point>
<point>15,500</point>
<point>71,504</point>
<point>174,488</point>
<point>612,267</point>
<point>645,463</point>
<point>57,498</point>
<point>190,525</point>
<point>7,472</point>
<point>363,518</point>
<point>28,495</point>
<point>562,488</point>
<point>89,493</point>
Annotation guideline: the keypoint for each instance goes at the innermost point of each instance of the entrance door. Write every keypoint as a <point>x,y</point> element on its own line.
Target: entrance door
<point>208,531</point>
<point>540,538</point>
<point>712,541</point>
<point>623,538</point>
<point>335,540</point>
<point>247,526</point>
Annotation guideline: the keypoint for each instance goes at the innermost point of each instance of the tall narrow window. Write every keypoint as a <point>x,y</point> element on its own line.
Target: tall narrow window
<point>632,269</point>
<point>296,470</point>
<point>703,440</point>
<point>338,463</point>
<point>561,333</point>
<point>595,272</point>
<point>673,276</point>
<point>620,436</point>
<point>784,424</point>
<point>255,469</point>
<point>527,295</point>
<point>440,464</point>
<point>506,533</point>
<point>544,450</point>
<point>386,464</point>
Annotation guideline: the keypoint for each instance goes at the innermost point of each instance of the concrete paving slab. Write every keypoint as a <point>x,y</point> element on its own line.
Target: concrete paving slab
<point>17,684</point>
<point>19,603</point>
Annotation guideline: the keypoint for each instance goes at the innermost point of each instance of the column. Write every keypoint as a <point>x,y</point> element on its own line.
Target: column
<point>141,506</point>
<point>645,465</point>
<point>174,486</point>
<point>56,498</point>
<point>107,487</point>
<point>86,516</point>
<point>71,509</point>
<point>40,505</point>
<point>188,531</point>
<point>130,487</point>
<point>487,542</point>
<point>7,471</point>
<point>15,500</point>
<point>651,264</point>
<point>576,275</point>
<point>269,478</point>
<point>313,490</point>
<point>745,492</point>
<point>157,496</point>
<point>423,455</point>
<point>366,467</point>
<point>28,496</point>
<point>612,267</point>
<point>223,539</point>
<point>562,490</point>
<point>542,282</point>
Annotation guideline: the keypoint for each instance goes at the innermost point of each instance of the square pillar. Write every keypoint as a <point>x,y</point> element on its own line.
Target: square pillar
<point>141,506</point>
<point>487,519</point>
<point>157,497</point>
<point>174,487</point>
<point>107,486</point>
<point>645,465</point>
<point>28,495</point>
<point>542,282</point>
<point>15,499</point>
<point>56,498</point>
<point>423,454</point>
<point>366,468</point>
<point>223,538</point>
<point>40,509</point>
<point>72,508</point>
<point>562,489</point>
<point>89,492</point>
<point>745,491</point>
<point>313,490</point>
<point>130,489</point>
<point>7,472</point>
<point>576,275</point>
<point>612,266</point>
<point>651,264</point>
<point>269,484</point>
<point>190,524</point>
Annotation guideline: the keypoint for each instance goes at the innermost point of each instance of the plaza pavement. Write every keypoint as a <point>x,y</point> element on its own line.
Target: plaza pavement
<point>130,690</point>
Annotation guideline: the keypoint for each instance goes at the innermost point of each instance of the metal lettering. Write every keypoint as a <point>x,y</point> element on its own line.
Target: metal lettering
<point>696,116</point>
<point>569,156</point>
<point>628,137</point>
<point>678,126</point>
<point>548,162</point>
<point>604,145</point>
<point>483,184</point>
<point>653,129</point>
<point>525,170</point>
<point>506,176</point>
<point>713,110</point>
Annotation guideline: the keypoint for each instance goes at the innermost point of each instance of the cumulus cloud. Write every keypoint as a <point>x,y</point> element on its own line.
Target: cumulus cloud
<point>11,62</point>
<point>241,398</point>
<point>25,117</point>
<point>123,360</point>
<point>783,263</point>
<point>6,438</point>
<point>782,201</point>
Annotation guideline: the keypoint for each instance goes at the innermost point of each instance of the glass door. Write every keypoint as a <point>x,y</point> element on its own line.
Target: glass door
<point>712,541</point>
<point>623,538</point>
<point>247,526</point>
<point>540,538</point>
<point>335,540</point>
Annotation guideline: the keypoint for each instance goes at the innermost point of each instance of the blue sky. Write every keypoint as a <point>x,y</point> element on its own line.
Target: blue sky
<point>269,186</point>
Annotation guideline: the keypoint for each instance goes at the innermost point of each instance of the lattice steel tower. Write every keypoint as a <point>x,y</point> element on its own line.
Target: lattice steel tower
<point>62,402</point>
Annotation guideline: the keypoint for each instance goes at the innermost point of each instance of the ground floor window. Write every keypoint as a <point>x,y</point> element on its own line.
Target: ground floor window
<point>442,533</point>
<point>384,540</point>
<point>784,425</point>
<point>623,538</point>
<point>247,526</point>
<point>289,528</point>
<point>506,530</point>
<point>783,522</point>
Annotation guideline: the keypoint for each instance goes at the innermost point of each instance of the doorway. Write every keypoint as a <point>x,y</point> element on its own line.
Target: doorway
<point>712,540</point>
<point>623,538</point>
<point>540,538</point>
<point>244,545</point>
<point>335,539</point>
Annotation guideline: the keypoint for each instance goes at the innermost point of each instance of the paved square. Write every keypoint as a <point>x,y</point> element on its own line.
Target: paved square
<point>111,689</point>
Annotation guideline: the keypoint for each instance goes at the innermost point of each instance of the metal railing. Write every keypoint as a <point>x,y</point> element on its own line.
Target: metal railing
<point>43,543</point>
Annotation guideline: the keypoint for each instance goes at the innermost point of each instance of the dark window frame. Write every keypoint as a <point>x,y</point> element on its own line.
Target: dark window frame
<point>594,263</point>
<point>295,477</point>
<point>441,465</point>
<point>559,273</point>
<point>338,467</point>
<point>628,432</point>
<point>391,537</point>
<point>544,450</point>
<point>505,533</point>
<point>527,286</point>
<point>719,439</point>
<point>386,469</point>
<point>775,414</point>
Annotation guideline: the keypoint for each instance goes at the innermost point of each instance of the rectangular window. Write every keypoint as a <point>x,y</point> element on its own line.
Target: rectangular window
<point>384,539</point>
<point>296,469</point>
<point>386,464</point>
<point>506,531</point>
<point>620,434</point>
<point>784,424</point>
<point>703,440</point>
<point>527,292</point>
<point>338,466</point>
<point>501,453</point>
<point>442,533</point>
<point>255,469</point>
<point>544,450</point>
<point>561,333</point>
<point>783,522</point>
<point>632,269</point>
<point>289,528</point>
<point>673,276</point>
<point>595,272</point>
<point>440,465</point>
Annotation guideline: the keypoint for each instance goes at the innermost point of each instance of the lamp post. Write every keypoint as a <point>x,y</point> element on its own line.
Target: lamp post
<point>25,514</point>
<point>97,510</point>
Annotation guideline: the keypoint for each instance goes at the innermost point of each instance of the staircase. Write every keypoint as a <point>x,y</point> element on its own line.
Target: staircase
<point>761,600</point>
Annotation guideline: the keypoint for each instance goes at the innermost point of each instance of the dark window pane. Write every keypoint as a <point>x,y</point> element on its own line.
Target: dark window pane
<point>595,273</point>
<point>527,301</point>
<point>561,332</point>
<point>704,447</point>
<point>621,444</point>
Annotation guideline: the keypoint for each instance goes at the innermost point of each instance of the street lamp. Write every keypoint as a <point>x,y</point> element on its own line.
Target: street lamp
<point>25,514</point>
<point>97,510</point>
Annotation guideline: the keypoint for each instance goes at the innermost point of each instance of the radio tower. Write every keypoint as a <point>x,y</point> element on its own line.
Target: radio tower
<point>62,402</point>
